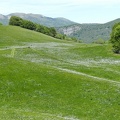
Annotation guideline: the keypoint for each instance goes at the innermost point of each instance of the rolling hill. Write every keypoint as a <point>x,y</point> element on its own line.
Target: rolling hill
<point>87,33</point>
<point>37,18</point>
<point>43,78</point>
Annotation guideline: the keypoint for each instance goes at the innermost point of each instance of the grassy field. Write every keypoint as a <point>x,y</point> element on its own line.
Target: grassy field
<point>42,78</point>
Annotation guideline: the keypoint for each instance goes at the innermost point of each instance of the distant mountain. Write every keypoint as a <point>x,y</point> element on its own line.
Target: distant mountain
<point>40,19</point>
<point>89,32</point>
<point>4,19</point>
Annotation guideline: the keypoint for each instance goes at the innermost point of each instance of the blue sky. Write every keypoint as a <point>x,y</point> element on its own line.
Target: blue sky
<point>81,11</point>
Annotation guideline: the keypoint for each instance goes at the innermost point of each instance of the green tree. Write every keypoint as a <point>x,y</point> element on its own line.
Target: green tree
<point>53,32</point>
<point>16,21</point>
<point>60,36</point>
<point>115,38</point>
<point>28,25</point>
<point>39,28</point>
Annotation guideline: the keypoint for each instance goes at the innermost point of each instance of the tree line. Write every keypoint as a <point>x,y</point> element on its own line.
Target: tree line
<point>17,21</point>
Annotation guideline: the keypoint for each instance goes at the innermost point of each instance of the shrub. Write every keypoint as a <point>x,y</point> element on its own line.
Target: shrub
<point>16,21</point>
<point>115,38</point>
<point>99,41</point>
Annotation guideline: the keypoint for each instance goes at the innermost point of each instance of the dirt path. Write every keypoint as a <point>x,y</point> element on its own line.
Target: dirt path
<point>90,76</point>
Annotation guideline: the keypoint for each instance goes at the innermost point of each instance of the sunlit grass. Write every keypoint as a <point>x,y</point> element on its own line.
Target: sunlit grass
<point>42,78</point>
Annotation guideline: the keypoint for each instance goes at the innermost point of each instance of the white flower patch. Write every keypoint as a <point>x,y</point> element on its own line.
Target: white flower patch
<point>91,62</point>
<point>61,117</point>
<point>48,45</point>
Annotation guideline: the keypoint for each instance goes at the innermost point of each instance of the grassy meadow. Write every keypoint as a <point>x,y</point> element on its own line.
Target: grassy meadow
<point>43,78</point>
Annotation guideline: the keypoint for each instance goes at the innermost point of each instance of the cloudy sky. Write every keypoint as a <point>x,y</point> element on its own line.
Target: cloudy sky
<point>81,11</point>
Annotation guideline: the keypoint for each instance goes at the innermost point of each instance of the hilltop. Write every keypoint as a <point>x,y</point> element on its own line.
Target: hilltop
<point>43,78</point>
<point>37,18</point>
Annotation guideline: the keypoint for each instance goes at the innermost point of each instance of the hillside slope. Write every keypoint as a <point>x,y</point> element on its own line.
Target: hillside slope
<point>40,19</point>
<point>43,78</point>
<point>89,32</point>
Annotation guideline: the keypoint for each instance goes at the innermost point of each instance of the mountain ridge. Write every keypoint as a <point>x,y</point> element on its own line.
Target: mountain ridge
<point>40,19</point>
<point>89,32</point>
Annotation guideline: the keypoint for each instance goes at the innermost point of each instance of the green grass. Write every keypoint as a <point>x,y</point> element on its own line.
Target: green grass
<point>42,78</point>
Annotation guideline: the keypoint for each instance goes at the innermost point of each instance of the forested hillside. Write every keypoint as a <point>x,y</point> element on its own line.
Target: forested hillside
<point>89,32</point>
